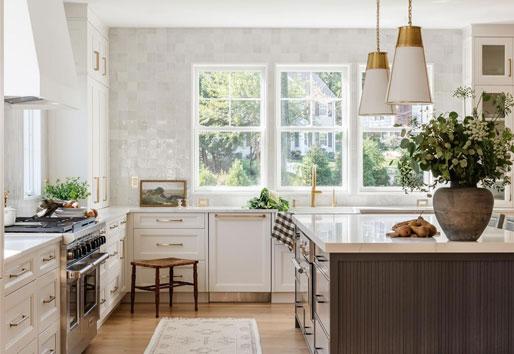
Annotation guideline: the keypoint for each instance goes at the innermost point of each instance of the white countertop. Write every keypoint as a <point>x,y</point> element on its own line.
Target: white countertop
<point>366,233</point>
<point>18,245</point>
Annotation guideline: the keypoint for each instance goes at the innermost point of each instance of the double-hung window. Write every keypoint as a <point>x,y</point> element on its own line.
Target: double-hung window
<point>32,153</point>
<point>229,127</point>
<point>380,138</point>
<point>311,119</point>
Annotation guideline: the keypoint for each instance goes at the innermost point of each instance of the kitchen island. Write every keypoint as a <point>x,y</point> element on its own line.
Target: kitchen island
<point>360,291</point>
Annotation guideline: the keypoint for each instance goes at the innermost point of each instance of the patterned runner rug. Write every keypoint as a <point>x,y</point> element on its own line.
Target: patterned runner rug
<point>205,336</point>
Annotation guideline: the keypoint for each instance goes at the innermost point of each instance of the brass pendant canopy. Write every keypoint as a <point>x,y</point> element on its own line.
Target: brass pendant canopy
<point>377,60</point>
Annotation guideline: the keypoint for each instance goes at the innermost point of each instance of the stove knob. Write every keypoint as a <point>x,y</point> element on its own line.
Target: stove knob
<point>77,253</point>
<point>94,243</point>
<point>89,246</point>
<point>70,255</point>
<point>103,239</point>
<point>83,248</point>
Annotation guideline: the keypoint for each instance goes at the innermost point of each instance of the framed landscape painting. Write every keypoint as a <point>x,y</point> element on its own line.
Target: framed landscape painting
<point>162,193</point>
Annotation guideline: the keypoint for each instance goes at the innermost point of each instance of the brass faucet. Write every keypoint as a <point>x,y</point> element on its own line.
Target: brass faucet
<point>313,185</point>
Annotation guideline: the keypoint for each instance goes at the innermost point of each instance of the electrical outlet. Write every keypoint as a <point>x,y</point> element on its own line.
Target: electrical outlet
<point>134,182</point>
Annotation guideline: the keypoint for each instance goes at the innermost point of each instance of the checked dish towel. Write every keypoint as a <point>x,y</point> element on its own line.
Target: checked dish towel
<point>283,230</point>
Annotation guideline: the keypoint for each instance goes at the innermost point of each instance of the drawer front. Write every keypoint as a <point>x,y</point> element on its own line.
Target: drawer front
<point>19,273</point>
<point>146,276</point>
<point>20,317</point>
<point>48,259</point>
<point>49,340</point>
<point>30,348</point>
<point>322,298</point>
<point>321,340</point>
<point>48,299</point>
<point>322,259</point>
<point>185,243</point>
<point>113,262</point>
<point>169,220</point>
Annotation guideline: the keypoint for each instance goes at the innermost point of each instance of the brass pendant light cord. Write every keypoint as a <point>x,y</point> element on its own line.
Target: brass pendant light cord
<point>378,25</point>
<point>410,12</point>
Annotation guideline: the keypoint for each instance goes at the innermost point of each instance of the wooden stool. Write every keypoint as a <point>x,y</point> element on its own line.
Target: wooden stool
<point>157,264</point>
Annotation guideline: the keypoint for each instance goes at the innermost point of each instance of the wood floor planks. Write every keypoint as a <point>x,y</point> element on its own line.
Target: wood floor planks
<point>126,333</point>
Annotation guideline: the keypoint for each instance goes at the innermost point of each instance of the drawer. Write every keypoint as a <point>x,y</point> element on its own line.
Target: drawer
<point>48,259</point>
<point>321,340</point>
<point>102,298</point>
<point>146,276</point>
<point>113,229</point>
<point>169,220</point>
<point>19,273</point>
<point>160,243</point>
<point>322,298</point>
<point>30,348</point>
<point>112,290</point>
<point>49,340</point>
<point>20,318</point>
<point>48,299</point>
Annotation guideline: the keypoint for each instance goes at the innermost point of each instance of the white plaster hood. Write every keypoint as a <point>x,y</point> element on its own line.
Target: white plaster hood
<point>39,65</point>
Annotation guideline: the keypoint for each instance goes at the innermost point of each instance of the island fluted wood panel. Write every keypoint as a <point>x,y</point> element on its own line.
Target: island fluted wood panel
<point>422,303</point>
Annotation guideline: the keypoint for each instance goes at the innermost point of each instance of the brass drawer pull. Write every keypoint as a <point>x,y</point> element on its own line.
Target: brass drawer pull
<point>105,190</point>
<point>22,319</point>
<point>19,274</point>
<point>123,222</point>
<point>97,60</point>
<point>97,179</point>
<point>321,259</point>
<point>169,220</point>
<point>114,290</point>
<point>158,244</point>
<point>49,351</point>
<point>49,300</point>
<point>320,299</point>
<point>102,301</point>
<point>112,227</point>
<point>49,258</point>
<point>113,254</point>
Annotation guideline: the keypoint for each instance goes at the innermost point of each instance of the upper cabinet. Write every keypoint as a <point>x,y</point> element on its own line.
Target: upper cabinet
<point>86,130</point>
<point>494,60</point>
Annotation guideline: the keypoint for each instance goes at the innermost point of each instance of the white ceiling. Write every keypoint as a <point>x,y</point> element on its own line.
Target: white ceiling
<point>299,13</point>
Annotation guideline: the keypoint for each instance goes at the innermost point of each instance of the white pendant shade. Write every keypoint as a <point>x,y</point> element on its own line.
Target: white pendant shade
<point>409,78</point>
<point>374,93</point>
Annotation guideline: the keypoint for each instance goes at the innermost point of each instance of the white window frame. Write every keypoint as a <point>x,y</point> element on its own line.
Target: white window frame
<point>197,129</point>
<point>360,141</point>
<point>32,179</point>
<point>343,129</point>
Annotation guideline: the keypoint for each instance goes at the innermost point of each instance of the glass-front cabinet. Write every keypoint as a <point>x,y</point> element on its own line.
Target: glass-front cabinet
<point>502,120</point>
<point>494,61</point>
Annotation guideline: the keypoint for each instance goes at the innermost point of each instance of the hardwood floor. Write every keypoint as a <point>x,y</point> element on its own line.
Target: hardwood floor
<point>126,333</point>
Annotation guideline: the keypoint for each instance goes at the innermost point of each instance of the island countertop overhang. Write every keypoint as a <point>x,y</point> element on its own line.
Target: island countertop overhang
<point>366,233</point>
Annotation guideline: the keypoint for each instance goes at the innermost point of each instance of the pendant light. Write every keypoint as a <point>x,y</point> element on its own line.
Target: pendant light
<point>409,78</point>
<point>376,81</point>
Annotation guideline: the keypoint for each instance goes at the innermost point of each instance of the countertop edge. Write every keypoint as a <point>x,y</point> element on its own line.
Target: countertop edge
<point>56,239</point>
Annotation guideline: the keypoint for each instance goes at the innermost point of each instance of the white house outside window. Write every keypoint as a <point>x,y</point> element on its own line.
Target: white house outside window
<point>32,154</point>
<point>229,126</point>
<point>311,113</point>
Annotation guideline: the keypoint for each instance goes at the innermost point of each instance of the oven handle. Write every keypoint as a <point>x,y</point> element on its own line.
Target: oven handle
<point>297,266</point>
<point>76,274</point>
<point>100,259</point>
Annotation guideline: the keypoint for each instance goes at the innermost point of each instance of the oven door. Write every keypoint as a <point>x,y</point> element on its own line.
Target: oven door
<point>89,290</point>
<point>72,303</point>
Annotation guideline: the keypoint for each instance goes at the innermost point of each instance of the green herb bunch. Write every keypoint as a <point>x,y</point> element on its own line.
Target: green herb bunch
<point>70,189</point>
<point>463,151</point>
<point>267,201</point>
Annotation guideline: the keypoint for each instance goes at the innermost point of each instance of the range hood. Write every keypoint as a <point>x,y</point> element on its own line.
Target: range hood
<point>39,69</point>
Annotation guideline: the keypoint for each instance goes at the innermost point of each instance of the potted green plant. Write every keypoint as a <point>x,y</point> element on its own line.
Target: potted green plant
<point>468,156</point>
<point>72,189</point>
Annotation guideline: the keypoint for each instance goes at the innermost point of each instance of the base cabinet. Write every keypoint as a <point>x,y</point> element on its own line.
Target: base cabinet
<point>239,252</point>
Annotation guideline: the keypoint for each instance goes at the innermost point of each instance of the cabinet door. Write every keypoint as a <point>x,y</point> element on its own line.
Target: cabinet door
<point>240,252</point>
<point>282,268</point>
<point>487,107</point>
<point>94,118</point>
<point>94,47</point>
<point>104,60</point>
<point>103,152</point>
<point>494,61</point>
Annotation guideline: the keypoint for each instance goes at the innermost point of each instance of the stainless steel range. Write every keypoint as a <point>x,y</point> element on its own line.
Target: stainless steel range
<point>80,275</point>
<point>80,283</point>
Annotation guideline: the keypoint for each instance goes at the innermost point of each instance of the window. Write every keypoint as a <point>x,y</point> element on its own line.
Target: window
<point>312,110</point>
<point>380,142</point>
<point>229,126</point>
<point>32,153</point>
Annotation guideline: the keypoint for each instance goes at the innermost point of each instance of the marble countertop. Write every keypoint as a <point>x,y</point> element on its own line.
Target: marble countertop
<point>366,233</point>
<point>18,245</point>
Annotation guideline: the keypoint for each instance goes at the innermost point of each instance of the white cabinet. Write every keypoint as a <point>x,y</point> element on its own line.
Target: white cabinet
<point>79,139</point>
<point>239,252</point>
<point>282,269</point>
<point>494,56</point>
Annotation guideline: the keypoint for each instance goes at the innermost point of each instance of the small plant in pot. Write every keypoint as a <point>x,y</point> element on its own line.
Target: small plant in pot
<point>468,156</point>
<point>72,190</point>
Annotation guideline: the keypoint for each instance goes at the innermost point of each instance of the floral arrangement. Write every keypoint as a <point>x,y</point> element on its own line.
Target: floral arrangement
<point>463,151</point>
<point>70,189</point>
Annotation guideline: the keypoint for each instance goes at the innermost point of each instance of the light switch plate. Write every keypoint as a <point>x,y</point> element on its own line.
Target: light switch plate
<point>134,182</point>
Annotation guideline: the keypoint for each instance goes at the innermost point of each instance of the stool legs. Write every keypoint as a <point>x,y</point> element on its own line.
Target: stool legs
<point>195,284</point>
<point>157,291</point>
<point>133,289</point>
<point>171,287</point>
